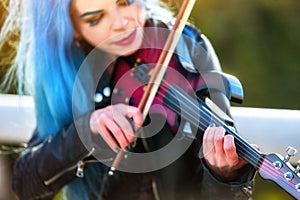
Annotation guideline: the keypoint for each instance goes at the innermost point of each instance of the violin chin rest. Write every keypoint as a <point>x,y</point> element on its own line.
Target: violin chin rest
<point>228,84</point>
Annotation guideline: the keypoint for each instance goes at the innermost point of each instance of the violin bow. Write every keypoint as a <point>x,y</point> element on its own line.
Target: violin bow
<point>161,67</point>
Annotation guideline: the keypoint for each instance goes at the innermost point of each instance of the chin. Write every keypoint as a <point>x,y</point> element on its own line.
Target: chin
<point>129,52</point>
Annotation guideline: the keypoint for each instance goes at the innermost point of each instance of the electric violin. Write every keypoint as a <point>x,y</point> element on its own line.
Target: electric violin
<point>167,84</point>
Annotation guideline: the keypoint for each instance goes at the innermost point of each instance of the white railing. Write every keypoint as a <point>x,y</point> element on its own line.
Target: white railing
<point>17,119</point>
<point>272,129</point>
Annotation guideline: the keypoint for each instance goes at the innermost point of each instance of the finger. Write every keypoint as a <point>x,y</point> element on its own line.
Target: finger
<point>126,127</point>
<point>255,146</point>
<point>230,149</point>
<point>117,133</point>
<point>208,146</point>
<point>108,138</point>
<point>136,115</point>
<point>219,133</point>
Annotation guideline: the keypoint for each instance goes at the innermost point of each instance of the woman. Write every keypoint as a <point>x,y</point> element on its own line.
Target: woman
<point>56,37</point>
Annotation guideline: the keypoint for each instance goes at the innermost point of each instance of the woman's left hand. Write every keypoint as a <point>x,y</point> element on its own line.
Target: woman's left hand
<point>220,153</point>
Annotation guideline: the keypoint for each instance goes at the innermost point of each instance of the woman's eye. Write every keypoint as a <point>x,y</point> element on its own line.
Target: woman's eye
<point>125,2</point>
<point>130,2</point>
<point>94,22</point>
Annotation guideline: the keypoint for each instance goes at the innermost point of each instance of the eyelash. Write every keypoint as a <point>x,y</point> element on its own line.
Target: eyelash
<point>94,22</point>
<point>123,3</point>
<point>126,2</point>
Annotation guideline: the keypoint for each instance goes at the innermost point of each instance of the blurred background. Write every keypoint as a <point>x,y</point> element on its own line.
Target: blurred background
<point>258,41</point>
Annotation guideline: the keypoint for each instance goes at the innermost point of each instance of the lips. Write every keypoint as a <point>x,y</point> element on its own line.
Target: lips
<point>127,40</point>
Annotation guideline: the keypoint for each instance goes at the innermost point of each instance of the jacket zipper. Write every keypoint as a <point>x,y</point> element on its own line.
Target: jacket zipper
<point>80,168</point>
<point>79,171</point>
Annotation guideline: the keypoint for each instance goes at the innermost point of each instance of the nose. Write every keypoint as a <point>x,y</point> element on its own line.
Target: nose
<point>119,21</point>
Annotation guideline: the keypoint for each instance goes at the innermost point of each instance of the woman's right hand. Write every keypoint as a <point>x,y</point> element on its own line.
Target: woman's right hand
<point>114,127</point>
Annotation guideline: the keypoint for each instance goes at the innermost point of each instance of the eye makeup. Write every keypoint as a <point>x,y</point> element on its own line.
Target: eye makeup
<point>93,17</point>
<point>125,2</point>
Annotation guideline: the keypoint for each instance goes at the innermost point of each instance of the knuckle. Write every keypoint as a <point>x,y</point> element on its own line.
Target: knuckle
<point>206,136</point>
<point>129,134</point>
<point>229,148</point>
<point>108,108</point>
<point>136,110</point>
<point>232,163</point>
<point>205,139</point>
<point>219,140</point>
<point>117,133</point>
<point>221,129</point>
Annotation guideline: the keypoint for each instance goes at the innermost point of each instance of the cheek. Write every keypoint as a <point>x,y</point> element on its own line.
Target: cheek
<point>140,13</point>
<point>142,19</point>
<point>95,37</point>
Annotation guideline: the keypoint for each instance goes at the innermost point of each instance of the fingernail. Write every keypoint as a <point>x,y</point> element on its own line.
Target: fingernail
<point>132,144</point>
<point>212,124</point>
<point>117,149</point>
<point>127,148</point>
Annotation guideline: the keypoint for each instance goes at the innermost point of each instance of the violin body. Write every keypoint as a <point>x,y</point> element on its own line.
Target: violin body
<point>130,81</point>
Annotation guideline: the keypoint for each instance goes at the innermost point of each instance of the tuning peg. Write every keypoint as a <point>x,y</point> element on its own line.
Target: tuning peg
<point>297,170</point>
<point>288,176</point>
<point>291,151</point>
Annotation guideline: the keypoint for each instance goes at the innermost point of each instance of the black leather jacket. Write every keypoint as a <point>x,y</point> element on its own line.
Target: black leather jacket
<point>45,167</point>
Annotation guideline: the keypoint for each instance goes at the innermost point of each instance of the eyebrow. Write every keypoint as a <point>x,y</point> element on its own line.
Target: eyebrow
<point>91,13</point>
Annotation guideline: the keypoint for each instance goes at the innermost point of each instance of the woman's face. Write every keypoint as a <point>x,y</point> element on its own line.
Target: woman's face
<point>114,25</point>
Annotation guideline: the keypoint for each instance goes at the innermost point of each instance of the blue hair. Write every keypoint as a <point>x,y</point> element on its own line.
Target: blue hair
<point>53,59</point>
<point>48,62</point>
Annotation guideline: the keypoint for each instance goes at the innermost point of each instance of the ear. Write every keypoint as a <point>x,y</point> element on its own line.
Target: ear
<point>76,35</point>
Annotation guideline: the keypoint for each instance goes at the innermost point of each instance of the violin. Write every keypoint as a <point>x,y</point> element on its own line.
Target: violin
<point>177,92</point>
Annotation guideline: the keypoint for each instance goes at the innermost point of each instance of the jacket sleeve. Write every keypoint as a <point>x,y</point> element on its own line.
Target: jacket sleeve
<point>46,166</point>
<point>240,189</point>
<point>204,59</point>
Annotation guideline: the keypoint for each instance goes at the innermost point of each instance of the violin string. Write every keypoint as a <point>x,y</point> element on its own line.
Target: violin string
<point>193,112</point>
<point>267,164</point>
